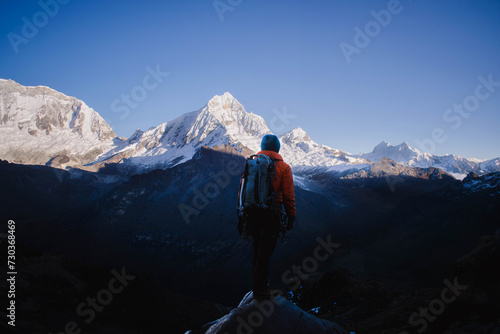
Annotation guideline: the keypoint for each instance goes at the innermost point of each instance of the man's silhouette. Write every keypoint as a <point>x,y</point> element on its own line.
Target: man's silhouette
<point>264,226</point>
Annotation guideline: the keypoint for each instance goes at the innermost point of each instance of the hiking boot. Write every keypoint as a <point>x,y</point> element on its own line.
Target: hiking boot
<point>267,294</point>
<point>262,295</point>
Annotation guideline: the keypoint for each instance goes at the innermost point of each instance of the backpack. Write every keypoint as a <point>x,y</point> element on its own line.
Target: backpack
<point>256,187</point>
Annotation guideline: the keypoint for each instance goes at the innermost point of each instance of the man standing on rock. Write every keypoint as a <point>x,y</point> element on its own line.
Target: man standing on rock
<point>264,225</point>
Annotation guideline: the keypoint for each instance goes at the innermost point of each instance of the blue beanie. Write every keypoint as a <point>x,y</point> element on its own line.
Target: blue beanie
<point>270,143</point>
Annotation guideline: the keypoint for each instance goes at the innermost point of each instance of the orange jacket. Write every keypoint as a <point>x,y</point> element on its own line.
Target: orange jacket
<point>283,186</point>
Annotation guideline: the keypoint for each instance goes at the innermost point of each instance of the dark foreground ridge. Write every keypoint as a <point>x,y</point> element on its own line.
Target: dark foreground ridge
<point>274,315</point>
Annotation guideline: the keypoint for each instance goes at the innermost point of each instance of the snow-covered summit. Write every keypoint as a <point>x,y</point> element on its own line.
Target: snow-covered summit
<point>400,153</point>
<point>300,150</point>
<point>489,166</point>
<point>222,121</point>
<point>39,123</point>
<point>241,126</point>
<point>455,165</point>
<point>297,135</point>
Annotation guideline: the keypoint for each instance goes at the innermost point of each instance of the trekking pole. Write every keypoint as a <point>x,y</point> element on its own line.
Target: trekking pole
<point>284,224</point>
<point>284,238</point>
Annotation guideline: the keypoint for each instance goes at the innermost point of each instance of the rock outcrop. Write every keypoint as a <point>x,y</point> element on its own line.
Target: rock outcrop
<point>276,315</point>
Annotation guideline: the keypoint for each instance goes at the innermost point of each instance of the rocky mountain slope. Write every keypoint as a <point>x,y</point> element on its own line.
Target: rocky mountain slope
<point>276,313</point>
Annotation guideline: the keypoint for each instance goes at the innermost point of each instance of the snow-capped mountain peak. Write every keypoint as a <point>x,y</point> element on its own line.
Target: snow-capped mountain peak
<point>225,101</point>
<point>222,121</point>
<point>400,153</point>
<point>39,123</point>
<point>455,165</point>
<point>296,135</point>
<point>382,146</point>
<point>229,112</point>
<point>298,149</point>
<point>385,146</point>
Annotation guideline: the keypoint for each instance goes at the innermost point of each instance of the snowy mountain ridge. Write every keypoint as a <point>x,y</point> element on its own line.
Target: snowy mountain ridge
<point>300,150</point>
<point>222,121</point>
<point>39,125</point>
<point>400,153</point>
<point>455,165</point>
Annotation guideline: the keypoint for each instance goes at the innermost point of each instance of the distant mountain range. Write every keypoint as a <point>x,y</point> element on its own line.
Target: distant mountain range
<point>452,164</point>
<point>39,125</point>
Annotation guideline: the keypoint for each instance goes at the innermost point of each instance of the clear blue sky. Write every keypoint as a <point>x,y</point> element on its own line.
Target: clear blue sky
<point>273,55</point>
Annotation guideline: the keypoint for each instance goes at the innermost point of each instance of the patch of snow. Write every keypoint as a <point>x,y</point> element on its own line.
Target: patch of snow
<point>458,176</point>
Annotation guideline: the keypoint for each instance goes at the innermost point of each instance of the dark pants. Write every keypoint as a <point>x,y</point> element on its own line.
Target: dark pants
<point>264,229</point>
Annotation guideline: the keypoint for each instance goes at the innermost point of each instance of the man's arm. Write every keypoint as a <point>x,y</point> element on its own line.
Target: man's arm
<point>288,192</point>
